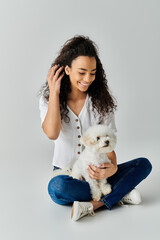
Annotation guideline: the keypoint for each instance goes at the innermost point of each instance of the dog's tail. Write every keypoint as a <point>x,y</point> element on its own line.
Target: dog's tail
<point>65,171</point>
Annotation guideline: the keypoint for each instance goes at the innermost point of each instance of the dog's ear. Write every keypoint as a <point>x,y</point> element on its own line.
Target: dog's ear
<point>86,140</point>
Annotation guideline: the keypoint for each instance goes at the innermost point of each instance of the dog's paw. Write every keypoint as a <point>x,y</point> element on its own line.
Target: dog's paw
<point>106,189</point>
<point>96,196</point>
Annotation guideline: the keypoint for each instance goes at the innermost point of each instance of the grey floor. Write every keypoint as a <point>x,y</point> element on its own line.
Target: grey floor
<point>27,212</point>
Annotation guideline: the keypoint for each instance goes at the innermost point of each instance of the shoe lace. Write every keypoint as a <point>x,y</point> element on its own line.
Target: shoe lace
<point>121,203</point>
<point>87,210</point>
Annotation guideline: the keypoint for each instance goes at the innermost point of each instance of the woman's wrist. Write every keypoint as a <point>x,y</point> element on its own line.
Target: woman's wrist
<point>54,95</point>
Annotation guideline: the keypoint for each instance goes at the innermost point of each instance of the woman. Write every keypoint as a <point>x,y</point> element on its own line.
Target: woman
<point>74,97</point>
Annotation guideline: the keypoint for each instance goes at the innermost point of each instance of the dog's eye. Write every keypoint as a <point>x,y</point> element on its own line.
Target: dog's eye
<point>98,138</point>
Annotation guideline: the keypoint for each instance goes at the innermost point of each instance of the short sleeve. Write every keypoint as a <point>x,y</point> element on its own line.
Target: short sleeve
<point>110,121</point>
<point>43,107</point>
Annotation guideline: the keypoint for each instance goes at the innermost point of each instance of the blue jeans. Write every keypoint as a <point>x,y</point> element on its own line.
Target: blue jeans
<point>64,190</point>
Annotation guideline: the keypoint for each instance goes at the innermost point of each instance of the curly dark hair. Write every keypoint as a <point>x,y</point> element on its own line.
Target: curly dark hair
<point>102,99</point>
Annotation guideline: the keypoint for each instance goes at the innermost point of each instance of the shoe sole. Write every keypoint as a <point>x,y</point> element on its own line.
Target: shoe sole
<point>72,210</point>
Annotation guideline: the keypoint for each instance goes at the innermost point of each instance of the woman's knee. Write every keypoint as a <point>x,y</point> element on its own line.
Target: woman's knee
<point>145,164</point>
<point>57,184</point>
<point>56,188</point>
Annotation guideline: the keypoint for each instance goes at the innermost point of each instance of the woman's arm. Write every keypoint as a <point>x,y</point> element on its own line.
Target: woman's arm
<point>105,170</point>
<point>52,123</point>
<point>113,158</point>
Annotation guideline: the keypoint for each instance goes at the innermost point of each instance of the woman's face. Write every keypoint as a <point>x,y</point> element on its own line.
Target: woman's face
<point>82,72</point>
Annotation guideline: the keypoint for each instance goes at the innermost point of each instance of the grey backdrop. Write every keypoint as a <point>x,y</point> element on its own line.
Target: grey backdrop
<point>31,34</point>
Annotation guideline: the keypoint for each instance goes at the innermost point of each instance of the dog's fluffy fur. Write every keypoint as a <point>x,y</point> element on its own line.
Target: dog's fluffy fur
<point>98,140</point>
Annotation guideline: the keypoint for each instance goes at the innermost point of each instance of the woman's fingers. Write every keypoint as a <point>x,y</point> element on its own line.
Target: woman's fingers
<point>61,76</point>
<point>94,168</point>
<point>54,78</point>
<point>95,172</point>
<point>57,72</point>
<point>59,80</point>
<point>52,71</point>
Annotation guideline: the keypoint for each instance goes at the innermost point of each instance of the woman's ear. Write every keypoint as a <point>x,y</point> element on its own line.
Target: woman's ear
<point>67,69</point>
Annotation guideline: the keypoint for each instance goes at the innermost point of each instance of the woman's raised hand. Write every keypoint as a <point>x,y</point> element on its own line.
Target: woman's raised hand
<point>54,80</point>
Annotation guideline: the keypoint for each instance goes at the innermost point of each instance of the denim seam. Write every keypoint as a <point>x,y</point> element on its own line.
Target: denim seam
<point>106,203</point>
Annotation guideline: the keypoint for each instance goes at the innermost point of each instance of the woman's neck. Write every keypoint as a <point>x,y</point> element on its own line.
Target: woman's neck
<point>75,96</point>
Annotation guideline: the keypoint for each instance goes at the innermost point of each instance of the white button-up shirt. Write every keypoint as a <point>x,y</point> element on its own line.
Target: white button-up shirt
<point>67,146</point>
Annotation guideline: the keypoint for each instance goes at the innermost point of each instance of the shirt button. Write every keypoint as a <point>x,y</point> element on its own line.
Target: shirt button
<point>79,145</point>
<point>76,120</point>
<point>79,136</point>
<point>78,127</point>
<point>78,152</point>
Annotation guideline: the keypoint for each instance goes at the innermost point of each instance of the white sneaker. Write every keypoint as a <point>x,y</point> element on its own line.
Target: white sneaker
<point>132,197</point>
<point>81,209</point>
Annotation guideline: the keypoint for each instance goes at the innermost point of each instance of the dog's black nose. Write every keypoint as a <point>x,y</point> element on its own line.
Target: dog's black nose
<point>107,142</point>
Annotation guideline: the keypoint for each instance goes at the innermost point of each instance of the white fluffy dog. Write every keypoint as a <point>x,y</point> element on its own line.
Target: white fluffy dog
<point>98,140</point>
